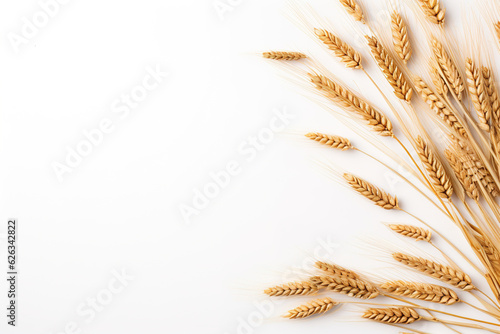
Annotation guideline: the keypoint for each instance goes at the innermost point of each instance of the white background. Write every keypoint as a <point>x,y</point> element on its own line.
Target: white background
<point>119,209</point>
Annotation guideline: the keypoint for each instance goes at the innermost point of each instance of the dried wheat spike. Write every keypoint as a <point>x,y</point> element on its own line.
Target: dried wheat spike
<point>393,315</point>
<point>392,72</point>
<point>347,99</point>
<point>490,250</point>
<point>492,90</point>
<point>436,270</point>
<point>435,169</point>
<point>476,169</point>
<point>337,142</point>
<point>283,55</point>
<point>438,106</point>
<point>351,287</point>
<point>433,11</point>
<point>400,37</point>
<point>439,82</point>
<point>413,232</point>
<point>479,94</point>
<point>462,175</point>
<point>354,10</point>
<point>423,291</point>
<point>293,289</point>
<point>334,269</point>
<point>374,194</point>
<point>318,306</point>
<point>449,68</point>
<point>350,57</point>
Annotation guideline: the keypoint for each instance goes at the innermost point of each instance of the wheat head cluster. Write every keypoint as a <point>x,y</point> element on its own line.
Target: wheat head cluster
<point>442,113</point>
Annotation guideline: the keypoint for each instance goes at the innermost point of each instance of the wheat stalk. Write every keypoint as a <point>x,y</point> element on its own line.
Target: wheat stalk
<point>433,11</point>
<point>334,269</point>
<point>462,175</point>
<point>352,287</point>
<point>423,291</point>
<point>494,98</point>
<point>413,232</point>
<point>439,178</point>
<point>354,10</point>
<point>337,142</point>
<point>392,72</point>
<point>393,315</point>
<point>318,306</point>
<point>449,68</point>
<point>479,94</point>
<point>438,106</point>
<point>350,57</point>
<point>293,289</point>
<point>347,99</point>
<point>400,37</point>
<point>374,194</point>
<point>436,270</point>
<point>284,55</point>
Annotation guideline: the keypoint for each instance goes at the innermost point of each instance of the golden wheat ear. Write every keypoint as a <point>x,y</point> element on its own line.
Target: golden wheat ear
<point>315,307</point>
<point>293,289</point>
<point>350,57</point>
<point>449,68</point>
<point>398,315</point>
<point>374,194</point>
<point>354,9</point>
<point>334,269</point>
<point>422,291</point>
<point>433,11</point>
<point>351,287</point>
<point>479,93</point>
<point>283,55</point>
<point>400,37</point>
<point>336,142</point>
<point>417,233</point>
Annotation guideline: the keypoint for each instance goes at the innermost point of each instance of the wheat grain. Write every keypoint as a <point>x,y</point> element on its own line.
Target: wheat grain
<point>350,57</point>
<point>400,37</point>
<point>449,68</point>
<point>354,9</point>
<point>423,291</point>
<point>436,270</point>
<point>315,307</point>
<point>392,72</point>
<point>445,113</point>
<point>433,11</point>
<point>334,269</point>
<point>352,287</point>
<point>393,315</point>
<point>293,289</point>
<point>478,93</point>
<point>337,142</point>
<point>462,175</point>
<point>437,174</point>
<point>374,194</point>
<point>284,55</point>
<point>413,232</point>
<point>347,99</point>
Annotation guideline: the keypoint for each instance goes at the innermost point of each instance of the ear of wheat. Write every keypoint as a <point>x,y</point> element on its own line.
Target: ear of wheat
<point>315,307</point>
<point>423,291</point>
<point>462,175</point>
<point>477,171</point>
<point>436,270</point>
<point>413,232</point>
<point>494,98</point>
<point>293,289</point>
<point>446,114</point>
<point>449,68</point>
<point>347,286</point>
<point>400,37</point>
<point>399,315</point>
<point>283,55</point>
<point>347,99</point>
<point>337,142</point>
<point>433,11</point>
<point>334,269</point>
<point>374,194</point>
<point>388,66</point>
<point>354,9</point>
<point>439,83</point>
<point>479,94</point>
<point>437,174</point>
<point>344,51</point>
